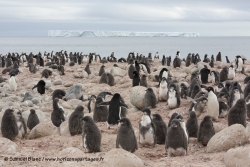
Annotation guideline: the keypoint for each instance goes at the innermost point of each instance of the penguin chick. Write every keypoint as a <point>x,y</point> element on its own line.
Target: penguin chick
<point>91,135</point>
<point>9,126</point>
<point>22,128</point>
<point>126,136</point>
<point>192,125</point>
<point>206,130</point>
<point>161,129</point>
<point>33,119</point>
<point>176,141</point>
<point>75,121</point>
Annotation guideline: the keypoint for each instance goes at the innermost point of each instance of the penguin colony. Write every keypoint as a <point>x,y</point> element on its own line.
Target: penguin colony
<point>212,94</point>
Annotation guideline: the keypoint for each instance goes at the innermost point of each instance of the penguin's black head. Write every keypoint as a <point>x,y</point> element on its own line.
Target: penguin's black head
<point>115,65</point>
<point>9,111</point>
<point>179,117</point>
<point>238,56</point>
<point>149,90</point>
<point>164,79</point>
<point>157,117</point>
<point>41,82</point>
<point>116,95</point>
<point>143,76</point>
<point>231,66</point>
<point>210,89</point>
<point>92,97</point>
<point>125,122</point>
<point>19,113</point>
<point>207,118</point>
<point>146,111</point>
<point>192,114</point>
<point>32,111</point>
<point>235,88</point>
<point>79,108</point>
<point>175,123</point>
<point>135,72</point>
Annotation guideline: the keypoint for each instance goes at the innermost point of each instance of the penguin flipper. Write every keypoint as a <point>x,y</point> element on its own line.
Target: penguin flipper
<point>34,87</point>
<point>103,103</point>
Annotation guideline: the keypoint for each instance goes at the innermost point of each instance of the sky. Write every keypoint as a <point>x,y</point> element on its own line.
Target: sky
<point>208,18</point>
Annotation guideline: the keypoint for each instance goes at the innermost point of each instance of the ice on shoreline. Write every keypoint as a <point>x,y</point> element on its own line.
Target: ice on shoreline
<point>81,33</point>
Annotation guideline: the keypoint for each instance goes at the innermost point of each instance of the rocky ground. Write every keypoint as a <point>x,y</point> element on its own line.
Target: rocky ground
<point>52,146</point>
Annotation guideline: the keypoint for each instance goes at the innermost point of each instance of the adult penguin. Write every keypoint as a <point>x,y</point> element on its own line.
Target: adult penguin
<point>40,87</point>
<point>115,105</point>
<point>137,67</point>
<point>163,90</point>
<point>231,73</point>
<point>204,75</point>
<point>212,104</point>
<point>239,64</point>
<point>177,60</point>
<point>163,61</point>
<point>227,60</point>
<point>168,60</point>
<point>163,73</point>
<point>136,79</point>
<point>218,57</point>
<point>147,129</point>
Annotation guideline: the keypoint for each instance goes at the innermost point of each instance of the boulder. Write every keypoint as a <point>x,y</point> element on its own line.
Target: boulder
<point>84,74</point>
<point>28,103</point>
<point>64,129</point>
<point>78,75</point>
<point>91,76</point>
<point>237,156</point>
<point>113,158</point>
<point>66,105</point>
<point>69,83</point>
<point>70,152</point>
<point>7,146</point>
<point>57,82</point>
<point>137,94</point>
<point>117,71</point>
<point>227,138</point>
<point>74,102</point>
<point>47,84</point>
<point>36,100</point>
<point>43,129</point>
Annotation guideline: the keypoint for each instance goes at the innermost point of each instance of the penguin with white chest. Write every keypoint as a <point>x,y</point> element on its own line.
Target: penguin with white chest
<point>146,129</point>
<point>212,104</point>
<point>163,90</point>
<point>13,84</point>
<point>231,73</point>
<point>239,64</point>
<point>234,96</point>
<point>173,97</point>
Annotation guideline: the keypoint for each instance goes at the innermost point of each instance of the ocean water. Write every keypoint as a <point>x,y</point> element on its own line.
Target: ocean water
<point>121,46</point>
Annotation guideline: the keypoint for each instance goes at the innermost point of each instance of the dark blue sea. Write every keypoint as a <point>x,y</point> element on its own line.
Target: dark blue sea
<point>121,46</point>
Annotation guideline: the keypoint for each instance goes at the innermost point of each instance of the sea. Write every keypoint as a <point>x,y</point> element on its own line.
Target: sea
<point>121,46</point>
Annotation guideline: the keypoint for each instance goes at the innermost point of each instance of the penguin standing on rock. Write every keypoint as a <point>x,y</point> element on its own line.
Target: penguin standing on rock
<point>57,115</point>
<point>126,136</point>
<point>237,114</point>
<point>115,105</point>
<point>161,129</point>
<point>75,121</point>
<point>91,135</point>
<point>9,126</point>
<point>147,129</point>
<point>176,141</point>
<point>212,104</point>
<point>206,130</point>
<point>33,119</point>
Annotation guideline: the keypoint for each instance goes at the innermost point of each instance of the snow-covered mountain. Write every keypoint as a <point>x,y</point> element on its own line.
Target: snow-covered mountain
<point>81,33</point>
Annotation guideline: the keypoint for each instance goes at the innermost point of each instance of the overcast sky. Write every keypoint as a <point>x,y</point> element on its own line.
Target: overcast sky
<point>210,18</point>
